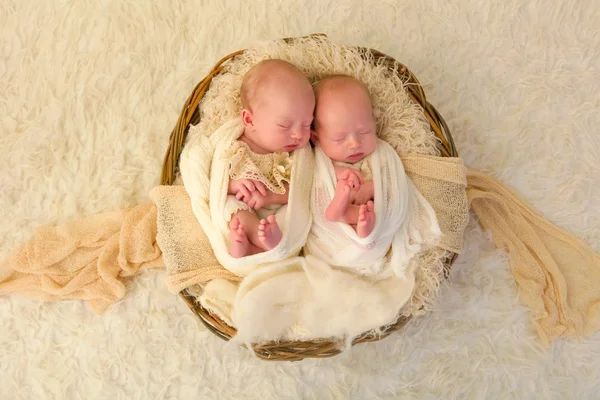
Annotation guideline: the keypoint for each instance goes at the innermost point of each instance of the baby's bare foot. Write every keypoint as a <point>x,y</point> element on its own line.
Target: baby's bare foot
<point>338,206</point>
<point>269,233</point>
<point>239,240</point>
<point>366,220</point>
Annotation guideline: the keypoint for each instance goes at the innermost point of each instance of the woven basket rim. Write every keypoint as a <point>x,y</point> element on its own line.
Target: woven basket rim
<point>318,348</point>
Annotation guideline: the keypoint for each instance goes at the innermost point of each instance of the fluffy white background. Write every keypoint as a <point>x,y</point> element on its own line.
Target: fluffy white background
<point>89,91</point>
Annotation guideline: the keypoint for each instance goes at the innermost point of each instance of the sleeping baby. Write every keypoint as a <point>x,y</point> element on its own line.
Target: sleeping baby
<point>278,104</point>
<point>362,201</point>
<point>345,132</point>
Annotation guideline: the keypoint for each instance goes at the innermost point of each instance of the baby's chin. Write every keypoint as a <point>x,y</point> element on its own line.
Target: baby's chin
<point>347,160</point>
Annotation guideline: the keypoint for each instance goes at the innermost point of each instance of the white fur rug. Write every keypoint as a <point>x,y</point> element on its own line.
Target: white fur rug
<point>89,92</point>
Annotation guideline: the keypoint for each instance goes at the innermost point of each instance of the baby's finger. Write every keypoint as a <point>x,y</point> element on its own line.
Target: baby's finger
<point>248,186</point>
<point>244,190</point>
<point>261,188</point>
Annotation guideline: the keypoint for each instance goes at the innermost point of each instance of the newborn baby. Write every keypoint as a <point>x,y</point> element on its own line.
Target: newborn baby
<point>278,104</point>
<point>345,132</point>
<point>362,202</point>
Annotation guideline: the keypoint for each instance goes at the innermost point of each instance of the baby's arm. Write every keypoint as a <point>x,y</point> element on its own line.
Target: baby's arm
<point>233,187</point>
<point>274,198</point>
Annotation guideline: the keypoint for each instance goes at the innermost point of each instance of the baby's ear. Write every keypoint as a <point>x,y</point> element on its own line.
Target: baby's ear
<point>247,118</point>
<point>314,137</point>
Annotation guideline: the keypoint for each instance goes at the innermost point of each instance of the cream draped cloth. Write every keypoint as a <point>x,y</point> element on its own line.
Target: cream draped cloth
<point>557,274</point>
<point>404,219</point>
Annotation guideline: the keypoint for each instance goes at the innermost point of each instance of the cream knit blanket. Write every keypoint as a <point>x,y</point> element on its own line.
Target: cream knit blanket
<point>305,298</point>
<point>88,259</point>
<point>404,219</point>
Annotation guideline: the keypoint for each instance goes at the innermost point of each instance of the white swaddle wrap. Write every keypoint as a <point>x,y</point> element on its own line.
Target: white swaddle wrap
<point>205,173</point>
<point>404,220</point>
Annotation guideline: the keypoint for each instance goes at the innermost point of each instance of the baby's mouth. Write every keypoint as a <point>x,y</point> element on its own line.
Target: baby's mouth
<point>356,156</point>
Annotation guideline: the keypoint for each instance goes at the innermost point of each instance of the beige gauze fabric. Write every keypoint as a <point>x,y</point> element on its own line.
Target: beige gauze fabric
<point>84,259</point>
<point>558,275</point>
<point>89,258</point>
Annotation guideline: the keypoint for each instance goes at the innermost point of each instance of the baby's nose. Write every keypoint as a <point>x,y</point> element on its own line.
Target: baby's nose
<point>353,143</point>
<point>296,134</point>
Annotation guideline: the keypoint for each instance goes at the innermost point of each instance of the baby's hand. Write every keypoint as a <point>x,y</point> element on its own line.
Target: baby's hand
<point>255,200</point>
<point>364,194</point>
<point>246,187</point>
<point>353,177</point>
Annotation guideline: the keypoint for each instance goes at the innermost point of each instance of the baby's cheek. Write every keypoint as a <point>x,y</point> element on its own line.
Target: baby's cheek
<point>307,138</point>
<point>372,145</point>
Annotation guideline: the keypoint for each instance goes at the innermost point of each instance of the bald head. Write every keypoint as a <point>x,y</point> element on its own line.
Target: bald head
<point>337,92</point>
<point>344,126</point>
<point>266,75</point>
<point>341,84</point>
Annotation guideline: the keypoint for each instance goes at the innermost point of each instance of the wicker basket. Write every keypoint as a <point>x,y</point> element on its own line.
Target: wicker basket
<point>294,351</point>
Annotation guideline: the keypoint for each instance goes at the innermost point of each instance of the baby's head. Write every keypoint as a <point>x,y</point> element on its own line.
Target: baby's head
<point>278,104</point>
<point>344,121</point>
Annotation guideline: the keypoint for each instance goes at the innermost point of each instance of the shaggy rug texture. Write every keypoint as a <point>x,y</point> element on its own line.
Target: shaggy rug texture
<point>89,92</point>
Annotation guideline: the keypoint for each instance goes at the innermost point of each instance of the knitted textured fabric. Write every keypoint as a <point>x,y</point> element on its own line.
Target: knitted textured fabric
<point>272,169</point>
<point>186,250</point>
<point>442,181</point>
